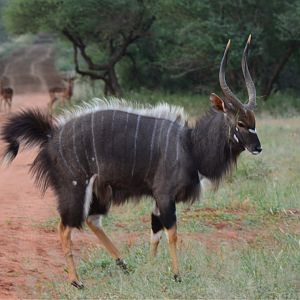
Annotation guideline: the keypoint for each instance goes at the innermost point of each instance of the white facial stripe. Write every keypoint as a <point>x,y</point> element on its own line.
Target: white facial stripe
<point>252,131</point>
<point>235,137</point>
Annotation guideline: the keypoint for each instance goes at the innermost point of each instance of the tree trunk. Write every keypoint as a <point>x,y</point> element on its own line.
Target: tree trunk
<point>112,86</point>
<point>277,69</point>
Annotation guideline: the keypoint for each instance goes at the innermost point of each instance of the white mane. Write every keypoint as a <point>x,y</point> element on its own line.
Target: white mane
<point>160,110</point>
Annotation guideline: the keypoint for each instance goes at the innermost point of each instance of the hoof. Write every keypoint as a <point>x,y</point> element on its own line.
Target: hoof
<point>177,278</point>
<point>78,284</point>
<point>121,263</point>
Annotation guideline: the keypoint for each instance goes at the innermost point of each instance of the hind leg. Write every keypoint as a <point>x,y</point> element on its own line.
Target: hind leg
<point>156,231</point>
<point>66,242</point>
<point>94,223</point>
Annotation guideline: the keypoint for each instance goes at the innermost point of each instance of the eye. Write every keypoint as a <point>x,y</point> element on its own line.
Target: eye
<point>241,124</point>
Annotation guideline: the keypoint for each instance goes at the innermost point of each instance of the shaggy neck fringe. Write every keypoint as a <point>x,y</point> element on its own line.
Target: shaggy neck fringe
<point>212,148</point>
<point>160,110</point>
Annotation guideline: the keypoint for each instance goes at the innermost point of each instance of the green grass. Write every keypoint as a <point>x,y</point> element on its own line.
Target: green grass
<point>229,273</point>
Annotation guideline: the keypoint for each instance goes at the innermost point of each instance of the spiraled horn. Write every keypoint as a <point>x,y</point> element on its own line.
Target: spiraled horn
<point>249,82</point>
<point>226,90</point>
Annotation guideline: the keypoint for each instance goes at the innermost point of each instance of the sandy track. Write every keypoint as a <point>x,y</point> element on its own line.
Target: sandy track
<point>29,253</point>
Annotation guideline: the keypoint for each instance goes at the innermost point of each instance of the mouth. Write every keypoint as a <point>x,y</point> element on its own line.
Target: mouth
<point>254,152</point>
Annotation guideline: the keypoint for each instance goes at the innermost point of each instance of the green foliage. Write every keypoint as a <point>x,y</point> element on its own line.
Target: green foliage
<point>185,43</point>
<point>190,36</point>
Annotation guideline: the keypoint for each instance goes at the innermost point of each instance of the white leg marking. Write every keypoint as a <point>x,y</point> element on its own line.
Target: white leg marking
<point>135,143</point>
<point>253,131</point>
<point>156,211</point>
<point>88,197</point>
<point>96,220</point>
<point>155,237</point>
<point>167,234</point>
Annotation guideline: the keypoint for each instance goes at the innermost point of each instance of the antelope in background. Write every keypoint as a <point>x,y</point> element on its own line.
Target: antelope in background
<point>112,152</point>
<point>6,95</point>
<point>62,94</point>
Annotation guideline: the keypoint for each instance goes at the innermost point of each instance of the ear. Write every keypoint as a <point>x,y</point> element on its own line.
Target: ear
<point>217,103</point>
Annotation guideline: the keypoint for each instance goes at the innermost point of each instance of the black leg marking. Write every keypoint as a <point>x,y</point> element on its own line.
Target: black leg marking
<point>167,216</point>
<point>156,224</point>
<point>78,284</point>
<point>122,264</point>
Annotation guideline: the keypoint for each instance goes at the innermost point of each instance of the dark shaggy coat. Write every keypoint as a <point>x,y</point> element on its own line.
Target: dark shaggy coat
<point>133,153</point>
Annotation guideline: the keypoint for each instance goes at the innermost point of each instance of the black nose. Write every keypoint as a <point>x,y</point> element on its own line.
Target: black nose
<point>258,149</point>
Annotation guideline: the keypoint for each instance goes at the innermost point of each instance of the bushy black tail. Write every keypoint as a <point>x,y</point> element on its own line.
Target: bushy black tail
<point>31,128</point>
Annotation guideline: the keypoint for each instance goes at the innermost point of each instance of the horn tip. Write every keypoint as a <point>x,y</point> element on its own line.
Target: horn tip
<point>228,44</point>
<point>249,38</point>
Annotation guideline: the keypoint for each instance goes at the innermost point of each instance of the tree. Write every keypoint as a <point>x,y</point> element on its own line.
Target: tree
<point>101,31</point>
<point>190,37</point>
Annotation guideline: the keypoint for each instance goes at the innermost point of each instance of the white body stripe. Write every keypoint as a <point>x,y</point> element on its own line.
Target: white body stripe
<point>84,146</point>
<point>177,144</point>
<point>61,153</point>
<point>126,125</point>
<point>94,143</point>
<point>151,147</point>
<point>135,143</point>
<point>96,220</point>
<point>160,131</point>
<point>88,197</point>
<point>113,122</point>
<point>74,149</point>
<point>167,141</point>
<point>253,131</point>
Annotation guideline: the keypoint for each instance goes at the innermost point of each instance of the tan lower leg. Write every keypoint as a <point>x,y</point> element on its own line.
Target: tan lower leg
<point>154,241</point>
<point>107,243</point>
<point>65,237</point>
<point>153,249</point>
<point>172,239</point>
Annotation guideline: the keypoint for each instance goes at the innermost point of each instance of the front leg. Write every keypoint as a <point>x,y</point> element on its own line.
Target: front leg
<point>167,216</point>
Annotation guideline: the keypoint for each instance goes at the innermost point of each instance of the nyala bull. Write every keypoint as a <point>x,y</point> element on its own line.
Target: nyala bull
<point>111,152</point>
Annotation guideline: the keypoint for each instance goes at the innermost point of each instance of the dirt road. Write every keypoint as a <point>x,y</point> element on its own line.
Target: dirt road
<point>27,254</point>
